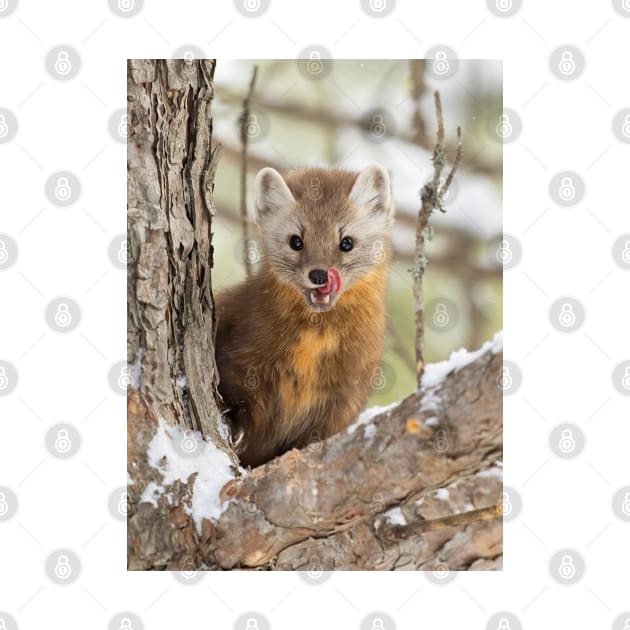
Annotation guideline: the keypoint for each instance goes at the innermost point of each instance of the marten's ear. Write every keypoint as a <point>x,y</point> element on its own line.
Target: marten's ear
<point>272,193</point>
<point>371,190</point>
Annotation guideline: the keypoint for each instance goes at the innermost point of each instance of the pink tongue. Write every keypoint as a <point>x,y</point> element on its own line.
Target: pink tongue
<point>333,283</point>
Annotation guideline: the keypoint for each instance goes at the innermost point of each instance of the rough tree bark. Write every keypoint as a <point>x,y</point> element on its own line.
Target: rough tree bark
<point>431,459</point>
<point>170,324</point>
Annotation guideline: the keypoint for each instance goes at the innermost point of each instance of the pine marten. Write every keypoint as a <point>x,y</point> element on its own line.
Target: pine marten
<point>299,343</point>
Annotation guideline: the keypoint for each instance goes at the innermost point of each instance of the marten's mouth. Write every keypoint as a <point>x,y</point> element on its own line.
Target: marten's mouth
<point>322,298</point>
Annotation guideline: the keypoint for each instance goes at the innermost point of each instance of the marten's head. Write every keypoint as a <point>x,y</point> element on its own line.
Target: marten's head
<point>323,230</point>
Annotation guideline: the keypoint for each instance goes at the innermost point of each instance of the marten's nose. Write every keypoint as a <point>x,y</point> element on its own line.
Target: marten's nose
<point>318,276</point>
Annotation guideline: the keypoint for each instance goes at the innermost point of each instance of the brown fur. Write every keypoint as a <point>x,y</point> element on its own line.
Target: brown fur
<point>289,375</point>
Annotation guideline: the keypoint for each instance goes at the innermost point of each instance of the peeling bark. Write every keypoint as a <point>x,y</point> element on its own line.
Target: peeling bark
<point>171,166</point>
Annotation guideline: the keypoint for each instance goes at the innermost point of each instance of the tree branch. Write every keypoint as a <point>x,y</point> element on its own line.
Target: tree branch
<point>340,484</point>
<point>245,121</point>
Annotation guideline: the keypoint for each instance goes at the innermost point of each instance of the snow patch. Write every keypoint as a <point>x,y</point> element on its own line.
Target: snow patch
<point>367,415</point>
<point>431,401</point>
<point>432,421</point>
<point>495,472</point>
<point>442,494</point>
<point>213,468</point>
<point>497,342</point>
<point>181,381</point>
<point>151,494</point>
<point>435,373</point>
<point>395,516</point>
<point>369,432</point>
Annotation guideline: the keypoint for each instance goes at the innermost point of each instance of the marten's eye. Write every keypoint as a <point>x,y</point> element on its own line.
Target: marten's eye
<point>295,242</point>
<point>346,244</point>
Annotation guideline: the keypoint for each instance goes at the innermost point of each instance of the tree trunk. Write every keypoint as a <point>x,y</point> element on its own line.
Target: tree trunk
<point>415,487</point>
<point>171,165</point>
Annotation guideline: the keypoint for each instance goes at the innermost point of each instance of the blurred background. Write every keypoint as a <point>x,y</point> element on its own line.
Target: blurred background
<point>346,113</point>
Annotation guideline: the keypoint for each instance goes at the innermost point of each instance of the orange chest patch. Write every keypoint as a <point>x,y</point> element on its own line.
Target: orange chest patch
<point>301,388</point>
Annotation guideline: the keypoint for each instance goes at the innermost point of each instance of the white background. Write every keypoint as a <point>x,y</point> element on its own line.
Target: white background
<point>64,378</point>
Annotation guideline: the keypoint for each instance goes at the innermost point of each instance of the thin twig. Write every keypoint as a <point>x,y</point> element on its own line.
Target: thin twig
<point>245,115</point>
<point>417,528</point>
<point>432,196</point>
<point>418,87</point>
